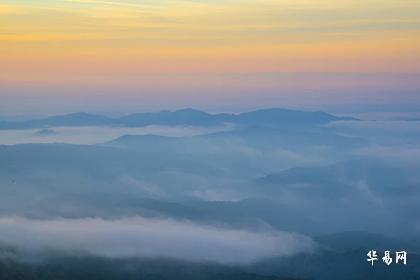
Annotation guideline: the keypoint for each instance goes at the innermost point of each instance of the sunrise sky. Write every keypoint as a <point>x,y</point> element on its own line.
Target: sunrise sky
<point>163,54</point>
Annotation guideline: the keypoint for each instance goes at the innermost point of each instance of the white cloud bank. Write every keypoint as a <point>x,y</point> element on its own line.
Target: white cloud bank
<point>143,237</point>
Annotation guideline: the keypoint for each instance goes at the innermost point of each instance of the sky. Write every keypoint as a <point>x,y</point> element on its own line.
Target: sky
<point>135,55</point>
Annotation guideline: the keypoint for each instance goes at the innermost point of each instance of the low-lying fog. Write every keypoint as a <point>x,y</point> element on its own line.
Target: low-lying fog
<point>88,135</point>
<point>145,237</point>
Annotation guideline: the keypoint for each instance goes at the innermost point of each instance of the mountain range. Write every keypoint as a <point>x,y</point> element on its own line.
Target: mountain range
<point>184,117</point>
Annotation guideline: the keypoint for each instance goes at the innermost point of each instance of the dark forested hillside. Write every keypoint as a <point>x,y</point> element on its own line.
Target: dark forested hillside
<point>89,268</point>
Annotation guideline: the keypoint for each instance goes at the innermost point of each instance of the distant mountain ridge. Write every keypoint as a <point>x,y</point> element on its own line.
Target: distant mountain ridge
<point>183,117</point>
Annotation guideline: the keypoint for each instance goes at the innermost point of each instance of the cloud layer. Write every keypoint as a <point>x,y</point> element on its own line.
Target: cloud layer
<point>142,237</point>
